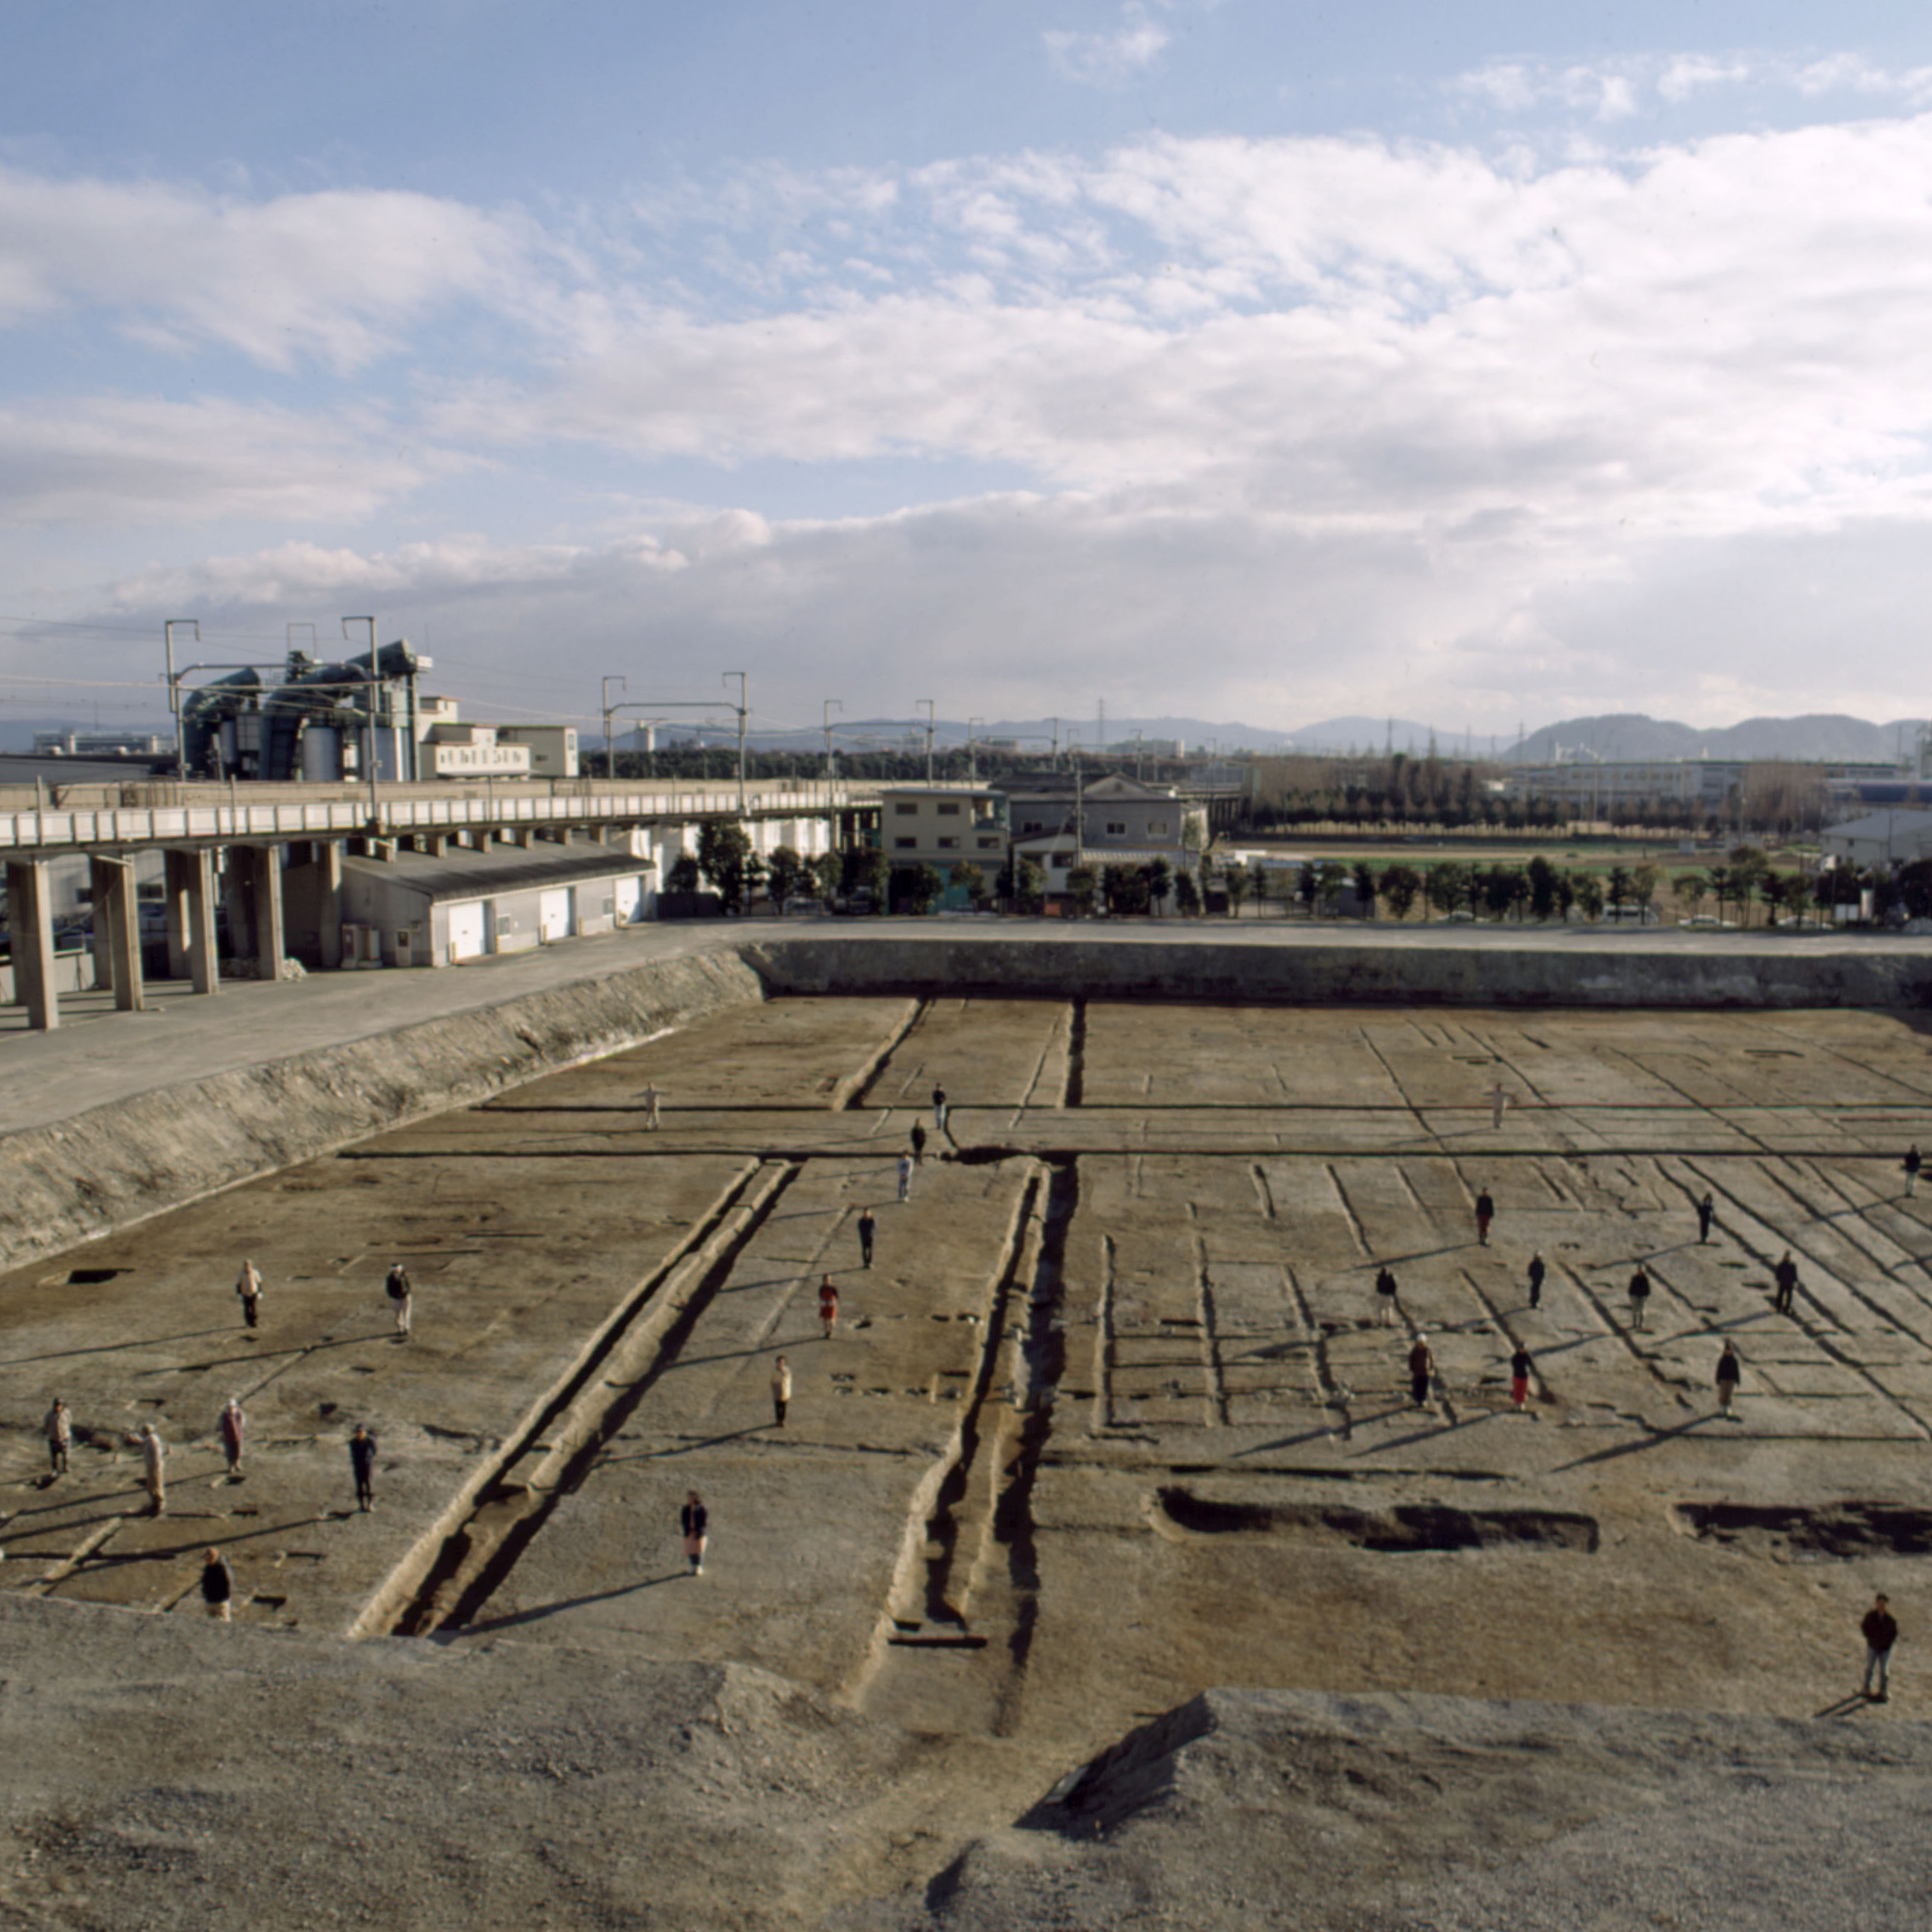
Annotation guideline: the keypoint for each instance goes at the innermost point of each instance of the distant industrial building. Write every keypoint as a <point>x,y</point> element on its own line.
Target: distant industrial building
<point>101,744</point>
<point>1604,786</point>
<point>333,723</point>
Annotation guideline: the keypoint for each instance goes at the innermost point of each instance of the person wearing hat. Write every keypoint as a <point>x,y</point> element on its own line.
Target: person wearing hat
<point>218,1586</point>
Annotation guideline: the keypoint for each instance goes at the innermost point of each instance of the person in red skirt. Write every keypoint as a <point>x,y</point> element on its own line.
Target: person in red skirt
<point>828,1306</point>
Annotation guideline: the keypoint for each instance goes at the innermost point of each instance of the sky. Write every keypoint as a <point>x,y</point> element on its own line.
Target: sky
<point>1257,360</point>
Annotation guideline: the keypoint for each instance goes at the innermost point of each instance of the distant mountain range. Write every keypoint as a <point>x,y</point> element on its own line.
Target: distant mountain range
<point>1820,735</point>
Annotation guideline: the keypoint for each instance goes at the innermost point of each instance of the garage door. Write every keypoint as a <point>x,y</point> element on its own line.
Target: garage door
<point>553,914</point>
<point>465,930</point>
<point>630,900</point>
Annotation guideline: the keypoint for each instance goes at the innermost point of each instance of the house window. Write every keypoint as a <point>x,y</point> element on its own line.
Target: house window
<point>948,845</point>
<point>1117,828</point>
<point>1032,825</point>
<point>905,811</point>
<point>949,811</point>
<point>905,844</point>
<point>1061,859</point>
<point>989,844</point>
<point>1156,828</point>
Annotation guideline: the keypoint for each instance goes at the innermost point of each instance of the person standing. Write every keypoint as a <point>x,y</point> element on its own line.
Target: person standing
<point>218,1585</point>
<point>1538,1270</point>
<point>1421,1366</point>
<point>780,1390</point>
<point>1786,1275</point>
<point>1912,1163</point>
<point>398,1289</point>
<point>1386,1295</point>
<point>939,1108</point>
<point>652,1100</point>
<point>1485,1212</point>
<point>1707,1213</point>
<point>905,1177</point>
<point>233,1426</point>
<point>153,1457</point>
<point>248,1286</point>
<point>918,1143</point>
<point>59,1429</point>
<point>1499,1099</point>
<point>828,1306</point>
<point>868,1229</point>
<point>1520,1366</point>
<point>1880,1631</point>
<point>362,1460</point>
<point>1639,1298</point>
<point>695,1521</point>
<point>1730,1372</point>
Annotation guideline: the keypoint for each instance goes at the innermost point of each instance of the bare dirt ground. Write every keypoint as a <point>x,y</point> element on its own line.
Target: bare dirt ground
<point>1111,1420</point>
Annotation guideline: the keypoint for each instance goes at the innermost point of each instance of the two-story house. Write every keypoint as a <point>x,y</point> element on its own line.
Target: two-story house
<point>943,826</point>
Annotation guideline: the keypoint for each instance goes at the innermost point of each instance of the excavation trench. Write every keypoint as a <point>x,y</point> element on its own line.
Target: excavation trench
<point>550,1460</point>
<point>1405,1529</point>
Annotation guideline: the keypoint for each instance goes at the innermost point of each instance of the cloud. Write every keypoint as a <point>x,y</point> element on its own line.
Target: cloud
<point>334,278</point>
<point>1107,59</point>
<point>106,461</point>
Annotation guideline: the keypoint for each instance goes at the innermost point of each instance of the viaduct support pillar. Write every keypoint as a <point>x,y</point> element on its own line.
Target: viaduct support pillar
<point>30,919</point>
<point>117,919</point>
<point>265,894</point>
<point>329,899</point>
<point>191,889</point>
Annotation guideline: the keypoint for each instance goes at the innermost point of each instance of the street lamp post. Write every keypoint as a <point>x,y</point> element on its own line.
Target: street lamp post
<point>609,744</point>
<point>373,681</point>
<point>742,713</point>
<point>832,704</point>
<point>927,703</point>
<point>174,689</point>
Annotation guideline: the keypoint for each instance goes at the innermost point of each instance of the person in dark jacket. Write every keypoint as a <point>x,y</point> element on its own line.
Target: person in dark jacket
<point>398,1288</point>
<point>1786,1275</point>
<point>1730,1372</point>
<point>1485,1212</point>
<point>58,1429</point>
<point>1639,1296</point>
<point>918,1142</point>
<point>1707,1213</point>
<point>362,1460</point>
<point>1881,1632</point>
<point>218,1585</point>
<point>695,1521</point>
<point>1912,1163</point>
<point>1520,1371</point>
<point>1538,1270</point>
<point>1386,1292</point>
<point>869,1229</point>
<point>1421,1366</point>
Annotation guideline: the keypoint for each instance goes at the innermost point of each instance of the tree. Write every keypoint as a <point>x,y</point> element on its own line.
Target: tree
<point>1365,888</point>
<point>1913,885</point>
<point>1643,884</point>
<point>1308,885</point>
<point>1542,876</point>
<point>967,878</point>
<point>828,869</point>
<point>1235,884</point>
<point>1400,885</point>
<point>868,870</point>
<point>1566,895</point>
<point>1080,886</point>
<point>1257,884</point>
<point>683,876</point>
<point>1160,877</point>
<point>1498,889</point>
<point>1446,885</point>
<point>1693,889</point>
<point>1589,894</point>
<point>1124,889</point>
<point>785,874</point>
<point>724,854</point>
<point>920,887</point>
<point>1722,886</point>
<point>1186,896</point>
<point>1029,892</point>
<point>1618,891</point>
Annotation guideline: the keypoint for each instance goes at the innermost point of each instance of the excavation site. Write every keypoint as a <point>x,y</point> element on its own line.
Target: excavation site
<point>1124,1553</point>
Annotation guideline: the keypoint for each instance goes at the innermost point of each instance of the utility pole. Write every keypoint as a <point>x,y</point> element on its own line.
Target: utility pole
<point>972,757</point>
<point>927,703</point>
<point>1053,763</point>
<point>742,714</point>
<point>609,744</point>
<point>174,689</point>
<point>832,704</point>
<point>372,686</point>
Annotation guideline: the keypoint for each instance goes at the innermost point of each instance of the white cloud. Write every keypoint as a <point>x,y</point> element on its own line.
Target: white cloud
<point>334,277</point>
<point>108,461</point>
<point>1107,59</point>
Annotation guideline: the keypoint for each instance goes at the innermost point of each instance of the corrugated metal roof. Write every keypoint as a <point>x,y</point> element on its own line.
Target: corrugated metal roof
<point>466,875</point>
